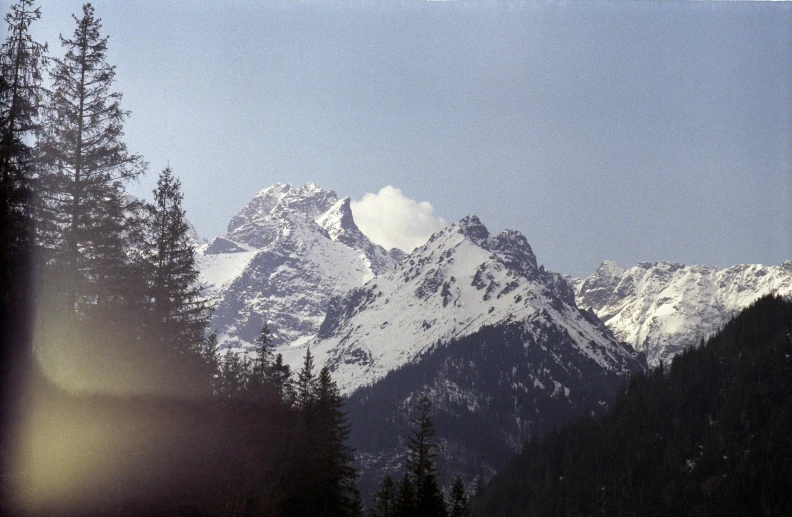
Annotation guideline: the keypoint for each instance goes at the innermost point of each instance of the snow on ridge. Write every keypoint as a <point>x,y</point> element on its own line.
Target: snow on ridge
<point>663,307</point>
<point>287,252</point>
<point>459,281</point>
<point>294,256</point>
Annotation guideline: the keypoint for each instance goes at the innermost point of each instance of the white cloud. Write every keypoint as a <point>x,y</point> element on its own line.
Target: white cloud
<point>392,220</point>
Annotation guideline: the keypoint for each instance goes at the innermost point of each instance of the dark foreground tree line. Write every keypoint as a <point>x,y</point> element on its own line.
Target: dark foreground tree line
<point>128,408</point>
<point>418,493</point>
<point>125,383</point>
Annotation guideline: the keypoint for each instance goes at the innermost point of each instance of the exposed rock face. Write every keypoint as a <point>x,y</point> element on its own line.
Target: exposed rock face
<point>285,255</point>
<point>660,308</point>
<point>461,280</point>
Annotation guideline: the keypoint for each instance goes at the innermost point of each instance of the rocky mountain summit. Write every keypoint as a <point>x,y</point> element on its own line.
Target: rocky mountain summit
<point>461,280</point>
<point>284,256</point>
<point>660,308</point>
<point>294,256</point>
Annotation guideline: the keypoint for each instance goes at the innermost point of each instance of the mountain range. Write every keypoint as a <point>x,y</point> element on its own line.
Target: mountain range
<point>663,307</point>
<point>503,347</point>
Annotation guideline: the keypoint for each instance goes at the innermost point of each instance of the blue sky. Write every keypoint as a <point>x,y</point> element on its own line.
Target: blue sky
<point>624,130</point>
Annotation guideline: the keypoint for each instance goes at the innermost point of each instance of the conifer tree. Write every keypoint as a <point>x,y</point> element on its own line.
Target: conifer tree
<point>211,359</point>
<point>281,381</point>
<point>458,504</point>
<point>85,164</point>
<point>306,383</point>
<point>405,498</point>
<point>324,461</point>
<point>384,503</point>
<point>357,505</point>
<point>264,348</point>
<point>336,484</point>
<point>180,311</point>
<point>261,381</point>
<point>420,463</point>
<point>21,96</point>
<point>233,376</point>
<point>179,306</point>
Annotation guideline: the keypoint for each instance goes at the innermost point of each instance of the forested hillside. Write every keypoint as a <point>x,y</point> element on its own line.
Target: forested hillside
<point>491,391</point>
<point>710,436</point>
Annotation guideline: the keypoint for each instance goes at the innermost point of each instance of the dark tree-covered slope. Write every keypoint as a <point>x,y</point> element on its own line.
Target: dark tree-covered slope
<point>490,391</point>
<point>712,436</point>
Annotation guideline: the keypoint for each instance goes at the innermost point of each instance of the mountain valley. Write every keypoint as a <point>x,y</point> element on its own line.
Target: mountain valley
<point>504,348</point>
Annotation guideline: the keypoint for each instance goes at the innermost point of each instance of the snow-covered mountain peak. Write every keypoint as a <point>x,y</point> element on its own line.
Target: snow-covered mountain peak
<point>662,307</point>
<point>338,220</point>
<point>311,200</point>
<point>286,254</point>
<point>459,281</point>
<point>261,221</point>
<point>471,227</point>
<point>600,285</point>
<point>271,203</point>
<point>515,251</point>
<point>340,226</point>
<point>509,248</point>
<point>609,269</point>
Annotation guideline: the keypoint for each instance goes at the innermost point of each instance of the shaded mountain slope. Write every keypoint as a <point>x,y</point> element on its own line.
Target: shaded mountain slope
<point>490,391</point>
<point>710,437</point>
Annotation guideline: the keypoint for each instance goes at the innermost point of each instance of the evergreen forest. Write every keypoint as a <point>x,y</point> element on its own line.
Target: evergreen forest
<point>708,436</point>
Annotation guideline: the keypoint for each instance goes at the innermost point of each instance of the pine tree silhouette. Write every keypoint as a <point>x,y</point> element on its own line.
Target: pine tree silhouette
<point>384,501</point>
<point>85,164</point>
<point>458,502</point>
<point>420,463</point>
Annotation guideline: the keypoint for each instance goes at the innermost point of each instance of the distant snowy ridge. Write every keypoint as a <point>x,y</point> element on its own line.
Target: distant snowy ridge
<point>285,254</point>
<point>461,280</point>
<point>294,256</point>
<point>661,308</point>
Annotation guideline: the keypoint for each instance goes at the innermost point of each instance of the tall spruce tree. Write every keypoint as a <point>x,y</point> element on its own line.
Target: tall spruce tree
<point>211,358</point>
<point>306,383</point>
<point>405,497</point>
<point>264,348</point>
<point>336,489</point>
<point>384,502</point>
<point>261,382</point>
<point>281,381</point>
<point>420,463</point>
<point>458,505</point>
<point>180,307</point>
<point>21,96</point>
<point>85,164</point>
<point>180,311</point>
